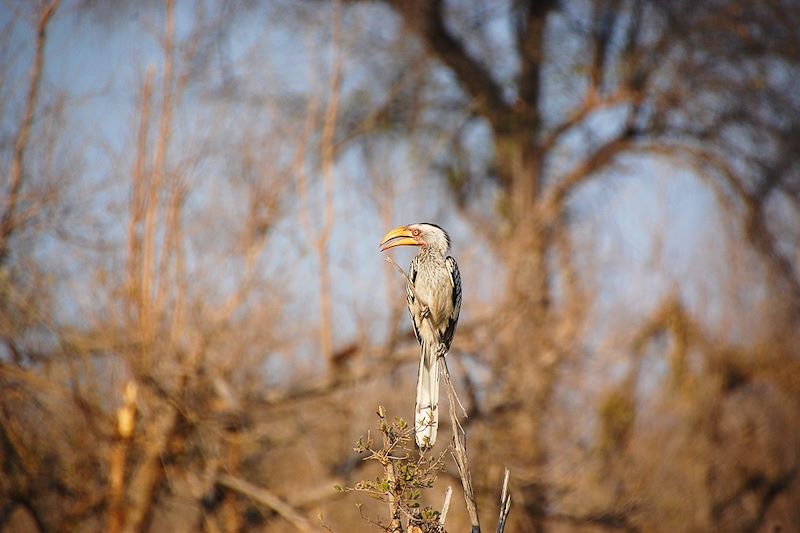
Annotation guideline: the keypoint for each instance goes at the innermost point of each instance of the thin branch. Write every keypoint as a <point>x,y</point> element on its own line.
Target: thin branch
<point>148,269</point>
<point>268,499</point>
<point>16,172</point>
<point>446,505</point>
<point>505,504</point>
<point>530,38</point>
<point>460,451</point>
<point>328,184</point>
<point>137,192</point>
<point>154,285</point>
<point>602,30</point>
<point>403,272</point>
<point>300,177</point>
<point>553,202</point>
<point>425,18</point>
<point>590,105</point>
<point>756,230</point>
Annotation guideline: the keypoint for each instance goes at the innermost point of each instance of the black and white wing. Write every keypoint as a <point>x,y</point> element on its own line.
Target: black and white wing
<point>455,279</point>
<point>412,275</point>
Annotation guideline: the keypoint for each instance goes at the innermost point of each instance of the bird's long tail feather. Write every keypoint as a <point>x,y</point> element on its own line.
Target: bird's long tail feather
<point>426,411</point>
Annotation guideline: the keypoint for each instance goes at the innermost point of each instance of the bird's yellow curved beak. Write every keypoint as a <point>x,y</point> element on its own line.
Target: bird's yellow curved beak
<point>401,236</point>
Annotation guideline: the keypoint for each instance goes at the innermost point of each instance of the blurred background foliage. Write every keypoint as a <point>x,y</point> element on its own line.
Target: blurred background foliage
<point>195,321</point>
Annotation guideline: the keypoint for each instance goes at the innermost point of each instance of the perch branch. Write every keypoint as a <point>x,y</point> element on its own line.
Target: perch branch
<point>459,451</point>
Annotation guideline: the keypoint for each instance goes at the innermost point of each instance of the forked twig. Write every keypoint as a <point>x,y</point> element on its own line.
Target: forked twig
<point>505,504</point>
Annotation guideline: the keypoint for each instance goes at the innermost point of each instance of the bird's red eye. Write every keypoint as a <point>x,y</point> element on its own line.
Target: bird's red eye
<point>415,232</point>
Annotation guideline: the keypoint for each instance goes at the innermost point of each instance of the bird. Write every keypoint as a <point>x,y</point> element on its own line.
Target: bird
<point>434,302</point>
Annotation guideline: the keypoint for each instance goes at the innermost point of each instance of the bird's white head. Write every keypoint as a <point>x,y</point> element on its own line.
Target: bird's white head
<point>425,235</point>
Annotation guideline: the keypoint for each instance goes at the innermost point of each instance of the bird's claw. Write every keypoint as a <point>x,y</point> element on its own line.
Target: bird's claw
<point>441,351</point>
<point>425,312</point>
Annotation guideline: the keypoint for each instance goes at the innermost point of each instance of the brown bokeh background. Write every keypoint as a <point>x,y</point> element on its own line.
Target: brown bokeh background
<point>196,325</point>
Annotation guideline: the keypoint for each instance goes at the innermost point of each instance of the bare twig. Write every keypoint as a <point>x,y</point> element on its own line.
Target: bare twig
<point>328,217</point>
<point>16,172</point>
<point>268,499</point>
<point>505,504</point>
<point>457,399</point>
<point>150,299</point>
<point>460,451</point>
<point>403,272</point>
<point>446,505</point>
<point>137,193</point>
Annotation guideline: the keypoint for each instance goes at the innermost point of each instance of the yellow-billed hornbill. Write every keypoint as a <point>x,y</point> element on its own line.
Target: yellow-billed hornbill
<point>434,303</point>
